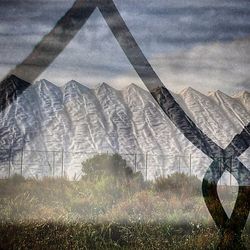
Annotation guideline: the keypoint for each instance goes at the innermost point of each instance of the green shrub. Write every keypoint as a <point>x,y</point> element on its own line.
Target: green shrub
<point>105,164</point>
<point>178,183</point>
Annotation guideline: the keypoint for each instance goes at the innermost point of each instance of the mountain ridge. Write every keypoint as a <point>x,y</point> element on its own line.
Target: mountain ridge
<point>75,118</point>
<point>238,94</point>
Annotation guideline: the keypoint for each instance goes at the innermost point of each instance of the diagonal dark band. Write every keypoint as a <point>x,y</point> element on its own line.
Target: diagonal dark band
<point>67,27</point>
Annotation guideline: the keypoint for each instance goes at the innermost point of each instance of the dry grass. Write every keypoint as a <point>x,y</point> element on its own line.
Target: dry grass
<point>107,213</point>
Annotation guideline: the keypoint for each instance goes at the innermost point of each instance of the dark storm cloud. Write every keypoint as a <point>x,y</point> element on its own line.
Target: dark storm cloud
<point>165,20</point>
<point>159,26</point>
<point>184,23</point>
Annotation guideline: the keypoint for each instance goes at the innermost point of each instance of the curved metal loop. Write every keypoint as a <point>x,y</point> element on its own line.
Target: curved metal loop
<point>231,228</point>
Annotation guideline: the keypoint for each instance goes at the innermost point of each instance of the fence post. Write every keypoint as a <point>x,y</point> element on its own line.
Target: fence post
<point>179,163</point>
<point>231,171</point>
<point>53,164</point>
<point>135,162</point>
<point>62,163</point>
<point>22,162</point>
<point>190,163</point>
<point>220,171</point>
<point>146,165</point>
<point>9,162</point>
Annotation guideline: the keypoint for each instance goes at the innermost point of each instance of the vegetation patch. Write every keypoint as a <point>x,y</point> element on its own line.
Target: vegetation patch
<point>112,209</point>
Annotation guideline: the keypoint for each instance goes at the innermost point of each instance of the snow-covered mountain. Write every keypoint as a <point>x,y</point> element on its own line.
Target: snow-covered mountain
<point>50,130</point>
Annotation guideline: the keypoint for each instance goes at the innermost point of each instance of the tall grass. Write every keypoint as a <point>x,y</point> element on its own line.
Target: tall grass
<point>106,213</point>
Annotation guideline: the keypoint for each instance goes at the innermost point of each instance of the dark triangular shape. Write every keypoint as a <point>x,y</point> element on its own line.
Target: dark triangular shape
<point>10,88</point>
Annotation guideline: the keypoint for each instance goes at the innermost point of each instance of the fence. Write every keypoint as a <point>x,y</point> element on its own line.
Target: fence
<point>38,164</point>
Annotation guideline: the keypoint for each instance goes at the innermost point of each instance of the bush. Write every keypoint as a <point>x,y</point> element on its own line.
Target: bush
<point>179,183</point>
<point>17,179</point>
<point>105,164</point>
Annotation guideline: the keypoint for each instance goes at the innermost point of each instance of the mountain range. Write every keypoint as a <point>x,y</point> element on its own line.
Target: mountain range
<point>46,127</point>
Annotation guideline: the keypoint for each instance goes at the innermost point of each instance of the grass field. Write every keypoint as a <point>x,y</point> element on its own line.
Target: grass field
<point>108,213</point>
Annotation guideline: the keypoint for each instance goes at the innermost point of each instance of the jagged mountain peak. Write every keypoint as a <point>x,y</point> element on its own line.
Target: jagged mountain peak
<point>134,87</point>
<point>73,82</point>
<point>189,91</point>
<point>10,88</point>
<point>45,88</point>
<point>43,83</point>
<point>13,78</point>
<point>104,87</point>
<point>75,85</point>
<point>218,94</point>
<point>74,89</point>
<point>242,94</point>
<point>14,81</point>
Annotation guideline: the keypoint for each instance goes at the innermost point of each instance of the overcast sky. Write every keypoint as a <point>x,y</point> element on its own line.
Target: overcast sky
<point>203,44</point>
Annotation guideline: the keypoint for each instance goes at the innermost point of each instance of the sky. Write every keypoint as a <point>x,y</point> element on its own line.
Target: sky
<point>202,44</point>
